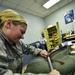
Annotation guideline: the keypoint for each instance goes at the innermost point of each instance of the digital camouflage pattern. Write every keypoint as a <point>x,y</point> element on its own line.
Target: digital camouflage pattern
<point>11,56</point>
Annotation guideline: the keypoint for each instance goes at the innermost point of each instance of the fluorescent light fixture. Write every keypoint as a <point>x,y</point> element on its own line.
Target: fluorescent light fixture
<point>50,3</point>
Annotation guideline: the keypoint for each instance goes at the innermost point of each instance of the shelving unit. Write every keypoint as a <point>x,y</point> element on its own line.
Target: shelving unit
<point>53,37</point>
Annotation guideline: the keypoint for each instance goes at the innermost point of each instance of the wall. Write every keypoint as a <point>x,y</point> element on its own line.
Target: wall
<point>35,26</point>
<point>58,16</point>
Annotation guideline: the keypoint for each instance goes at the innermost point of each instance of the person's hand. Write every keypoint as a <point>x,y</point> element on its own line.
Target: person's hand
<point>43,53</point>
<point>55,72</point>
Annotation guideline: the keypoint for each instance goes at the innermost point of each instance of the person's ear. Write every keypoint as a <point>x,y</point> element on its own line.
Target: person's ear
<point>8,23</point>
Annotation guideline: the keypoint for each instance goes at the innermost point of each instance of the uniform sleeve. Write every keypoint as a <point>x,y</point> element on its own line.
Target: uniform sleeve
<point>28,49</point>
<point>4,62</point>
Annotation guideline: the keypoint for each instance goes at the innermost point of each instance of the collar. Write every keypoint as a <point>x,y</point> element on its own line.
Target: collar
<point>1,33</point>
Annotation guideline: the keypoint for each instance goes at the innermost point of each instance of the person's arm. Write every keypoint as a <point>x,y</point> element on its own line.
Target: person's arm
<point>4,60</point>
<point>4,64</point>
<point>5,71</point>
<point>28,49</point>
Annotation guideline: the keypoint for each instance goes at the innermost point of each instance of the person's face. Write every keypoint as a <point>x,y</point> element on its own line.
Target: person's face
<point>16,32</point>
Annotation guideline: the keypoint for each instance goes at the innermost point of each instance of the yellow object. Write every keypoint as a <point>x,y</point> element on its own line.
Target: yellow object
<point>12,15</point>
<point>73,47</point>
<point>68,36</point>
<point>68,33</point>
<point>53,37</point>
<point>23,69</point>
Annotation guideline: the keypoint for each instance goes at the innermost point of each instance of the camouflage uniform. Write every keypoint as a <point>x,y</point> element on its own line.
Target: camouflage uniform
<point>11,56</point>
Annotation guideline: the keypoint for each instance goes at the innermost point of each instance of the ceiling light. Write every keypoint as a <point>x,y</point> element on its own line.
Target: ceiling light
<point>50,3</point>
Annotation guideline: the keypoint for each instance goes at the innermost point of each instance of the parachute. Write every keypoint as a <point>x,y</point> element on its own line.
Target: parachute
<point>62,60</point>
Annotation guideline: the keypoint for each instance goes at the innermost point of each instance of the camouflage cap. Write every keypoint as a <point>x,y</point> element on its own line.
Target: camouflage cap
<point>11,14</point>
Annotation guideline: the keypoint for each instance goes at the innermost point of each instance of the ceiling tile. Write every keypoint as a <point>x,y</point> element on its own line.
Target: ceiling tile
<point>62,3</point>
<point>26,3</point>
<point>35,7</point>
<point>8,4</point>
<point>46,12</point>
<point>0,2</point>
<point>34,13</point>
<point>30,11</point>
<point>12,1</point>
<point>21,8</point>
<point>53,8</point>
<point>70,0</point>
<point>41,1</point>
<point>41,9</point>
